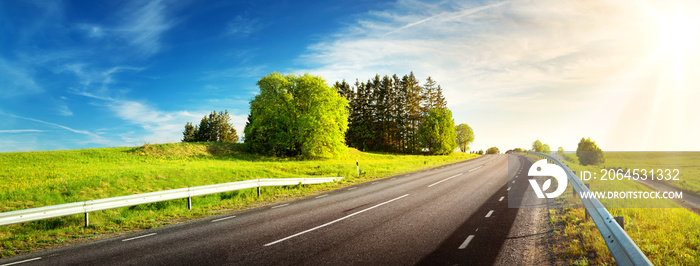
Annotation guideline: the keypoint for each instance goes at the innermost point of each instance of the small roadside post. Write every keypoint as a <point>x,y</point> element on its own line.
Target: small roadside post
<point>357,163</point>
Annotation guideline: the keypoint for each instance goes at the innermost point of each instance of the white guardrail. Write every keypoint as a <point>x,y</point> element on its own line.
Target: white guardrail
<point>621,246</point>
<point>85,207</point>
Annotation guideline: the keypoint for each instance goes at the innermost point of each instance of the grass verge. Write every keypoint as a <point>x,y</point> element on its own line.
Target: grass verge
<point>35,179</point>
<point>668,236</point>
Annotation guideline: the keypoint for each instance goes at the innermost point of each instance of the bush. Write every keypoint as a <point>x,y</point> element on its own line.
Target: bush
<point>493,150</point>
<point>589,153</point>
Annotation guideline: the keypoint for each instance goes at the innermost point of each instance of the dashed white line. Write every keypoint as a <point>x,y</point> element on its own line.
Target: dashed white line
<point>129,239</point>
<point>513,181</point>
<point>332,222</point>
<point>475,168</point>
<point>466,242</point>
<point>280,206</point>
<point>489,214</point>
<point>221,219</point>
<point>324,195</point>
<point>501,199</point>
<point>438,182</point>
<point>374,183</point>
<point>22,261</point>
<point>352,188</point>
<point>508,188</point>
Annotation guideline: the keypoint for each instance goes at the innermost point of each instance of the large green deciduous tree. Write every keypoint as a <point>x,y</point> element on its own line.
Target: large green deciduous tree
<point>589,153</point>
<point>437,131</point>
<point>297,116</point>
<point>465,136</point>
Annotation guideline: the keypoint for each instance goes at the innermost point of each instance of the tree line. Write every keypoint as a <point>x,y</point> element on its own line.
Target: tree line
<point>302,116</point>
<point>386,114</point>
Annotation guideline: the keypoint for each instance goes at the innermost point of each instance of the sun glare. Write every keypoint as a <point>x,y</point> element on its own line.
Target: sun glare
<point>679,34</point>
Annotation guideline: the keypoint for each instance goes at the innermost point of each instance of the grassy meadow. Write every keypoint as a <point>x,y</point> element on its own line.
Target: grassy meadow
<point>35,179</point>
<point>667,233</point>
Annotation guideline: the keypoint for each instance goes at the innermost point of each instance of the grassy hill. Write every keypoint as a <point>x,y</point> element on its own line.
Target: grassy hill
<point>35,179</point>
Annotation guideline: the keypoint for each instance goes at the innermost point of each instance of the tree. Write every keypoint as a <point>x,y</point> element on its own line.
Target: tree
<point>518,150</point>
<point>189,133</point>
<point>465,136</point>
<point>560,150</point>
<point>537,146</point>
<point>215,127</point>
<point>589,153</point>
<point>480,152</point>
<point>437,132</point>
<point>492,150</point>
<point>297,116</point>
<point>546,149</point>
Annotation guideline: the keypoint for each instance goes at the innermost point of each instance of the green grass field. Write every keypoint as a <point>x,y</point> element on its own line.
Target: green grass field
<point>35,179</point>
<point>668,236</point>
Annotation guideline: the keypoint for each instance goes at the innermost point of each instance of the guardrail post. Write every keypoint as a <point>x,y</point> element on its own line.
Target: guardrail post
<point>189,203</point>
<point>258,191</point>
<point>87,220</point>
<point>621,221</point>
<point>587,215</point>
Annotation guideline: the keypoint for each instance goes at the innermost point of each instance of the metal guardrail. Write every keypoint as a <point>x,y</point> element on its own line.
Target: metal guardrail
<point>85,207</point>
<point>621,246</point>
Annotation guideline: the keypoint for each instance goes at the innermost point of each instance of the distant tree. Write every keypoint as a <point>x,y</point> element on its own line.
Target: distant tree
<point>465,136</point>
<point>481,152</point>
<point>518,150</point>
<point>560,150</point>
<point>589,153</point>
<point>215,127</point>
<point>537,146</point>
<point>297,116</point>
<point>189,133</point>
<point>437,131</point>
<point>492,150</point>
<point>546,149</point>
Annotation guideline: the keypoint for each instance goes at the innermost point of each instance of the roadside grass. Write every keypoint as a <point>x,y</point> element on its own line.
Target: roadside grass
<point>35,179</point>
<point>668,236</point>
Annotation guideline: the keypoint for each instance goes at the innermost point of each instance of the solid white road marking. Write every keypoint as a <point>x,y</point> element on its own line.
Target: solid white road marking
<point>279,206</point>
<point>221,219</point>
<point>438,182</point>
<point>128,239</point>
<point>332,222</point>
<point>501,199</point>
<point>476,168</point>
<point>466,242</point>
<point>324,195</point>
<point>22,261</point>
<point>352,188</point>
<point>489,214</point>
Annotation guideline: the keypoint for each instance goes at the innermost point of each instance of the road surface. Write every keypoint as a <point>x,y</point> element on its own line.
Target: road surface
<point>455,214</point>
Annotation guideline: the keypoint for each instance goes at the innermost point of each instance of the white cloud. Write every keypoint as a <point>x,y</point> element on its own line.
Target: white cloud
<point>17,81</point>
<point>21,131</point>
<point>510,68</point>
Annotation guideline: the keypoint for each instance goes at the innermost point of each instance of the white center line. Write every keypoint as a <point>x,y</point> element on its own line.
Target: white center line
<point>279,206</point>
<point>475,168</point>
<point>513,181</point>
<point>128,239</point>
<point>22,261</point>
<point>332,222</point>
<point>324,195</point>
<point>501,199</point>
<point>466,242</point>
<point>352,188</point>
<point>508,188</point>
<point>489,214</point>
<point>438,182</point>
<point>221,219</point>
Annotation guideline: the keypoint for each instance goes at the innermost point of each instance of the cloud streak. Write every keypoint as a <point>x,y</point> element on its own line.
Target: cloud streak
<point>503,63</point>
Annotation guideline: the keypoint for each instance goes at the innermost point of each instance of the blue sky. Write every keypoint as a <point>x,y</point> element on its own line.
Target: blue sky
<point>82,74</point>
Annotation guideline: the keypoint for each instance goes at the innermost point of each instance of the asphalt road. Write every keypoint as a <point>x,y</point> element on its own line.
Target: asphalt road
<point>455,214</point>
